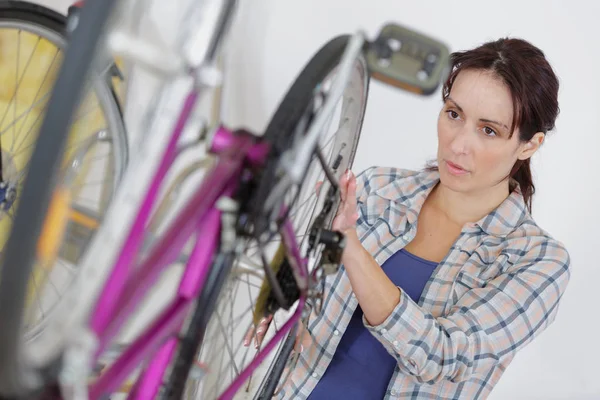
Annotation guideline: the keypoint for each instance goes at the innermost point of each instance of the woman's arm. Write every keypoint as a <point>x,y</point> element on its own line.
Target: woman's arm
<point>376,293</point>
<point>485,326</point>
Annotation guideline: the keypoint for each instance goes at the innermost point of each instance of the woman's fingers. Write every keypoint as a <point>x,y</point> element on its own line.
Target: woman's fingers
<point>261,330</point>
<point>299,343</point>
<point>248,336</point>
<point>258,332</point>
<point>344,179</point>
<point>351,192</point>
<point>298,347</point>
<point>346,215</point>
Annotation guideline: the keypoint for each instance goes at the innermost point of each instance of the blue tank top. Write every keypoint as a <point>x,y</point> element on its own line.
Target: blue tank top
<point>361,368</point>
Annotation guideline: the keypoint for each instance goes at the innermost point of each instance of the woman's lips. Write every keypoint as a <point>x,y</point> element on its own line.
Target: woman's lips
<point>455,169</point>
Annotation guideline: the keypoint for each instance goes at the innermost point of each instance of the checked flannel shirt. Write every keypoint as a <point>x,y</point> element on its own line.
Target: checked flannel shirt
<point>495,291</point>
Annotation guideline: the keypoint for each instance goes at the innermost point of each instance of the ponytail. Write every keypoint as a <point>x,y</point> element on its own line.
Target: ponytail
<point>521,175</point>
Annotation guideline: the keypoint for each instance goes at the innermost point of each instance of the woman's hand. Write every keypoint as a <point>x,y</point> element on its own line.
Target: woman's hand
<point>345,222</point>
<point>258,332</point>
<point>347,214</point>
<point>303,339</point>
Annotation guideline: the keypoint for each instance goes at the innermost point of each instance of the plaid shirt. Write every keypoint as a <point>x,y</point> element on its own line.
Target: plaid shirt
<point>495,291</point>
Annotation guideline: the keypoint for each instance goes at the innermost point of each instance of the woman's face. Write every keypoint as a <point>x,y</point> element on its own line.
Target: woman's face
<point>475,148</point>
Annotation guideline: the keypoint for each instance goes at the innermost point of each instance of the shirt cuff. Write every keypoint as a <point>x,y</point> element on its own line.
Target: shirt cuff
<point>405,322</point>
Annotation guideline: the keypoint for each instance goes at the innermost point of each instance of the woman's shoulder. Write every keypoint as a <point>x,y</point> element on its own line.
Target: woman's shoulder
<point>535,243</point>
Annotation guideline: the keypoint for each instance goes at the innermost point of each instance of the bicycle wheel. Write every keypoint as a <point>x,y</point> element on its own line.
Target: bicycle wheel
<point>53,134</point>
<point>36,34</point>
<point>204,344</point>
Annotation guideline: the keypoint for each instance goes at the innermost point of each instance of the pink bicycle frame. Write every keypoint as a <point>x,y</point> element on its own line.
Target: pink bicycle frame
<point>129,280</point>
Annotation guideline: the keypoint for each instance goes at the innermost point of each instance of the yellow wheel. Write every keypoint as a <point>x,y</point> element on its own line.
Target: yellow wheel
<point>31,50</point>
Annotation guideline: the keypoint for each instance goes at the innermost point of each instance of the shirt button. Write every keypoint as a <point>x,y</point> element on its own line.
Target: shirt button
<point>404,237</point>
<point>384,330</point>
<point>396,343</point>
<point>336,332</point>
<point>315,375</point>
<point>394,393</point>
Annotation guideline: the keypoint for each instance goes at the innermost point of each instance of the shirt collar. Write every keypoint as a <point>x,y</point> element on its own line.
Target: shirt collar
<point>408,194</point>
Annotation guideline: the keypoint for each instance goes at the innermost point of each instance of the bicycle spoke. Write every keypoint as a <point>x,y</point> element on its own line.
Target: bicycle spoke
<point>86,200</point>
<point>231,330</point>
<point>25,113</point>
<point>68,267</point>
<point>53,285</point>
<point>334,134</point>
<point>36,288</point>
<point>76,119</point>
<point>300,206</point>
<point>93,183</point>
<point>227,345</point>
<point>271,242</point>
<point>20,80</point>
<point>17,85</point>
<point>246,260</point>
<point>23,172</point>
<point>247,348</point>
<point>309,210</point>
<point>230,368</point>
<point>254,285</point>
<point>20,150</point>
<point>252,309</point>
<point>36,95</point>
<point>242,314</point>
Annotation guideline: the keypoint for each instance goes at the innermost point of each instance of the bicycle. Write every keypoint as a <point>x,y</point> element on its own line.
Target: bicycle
<point>248,198</point>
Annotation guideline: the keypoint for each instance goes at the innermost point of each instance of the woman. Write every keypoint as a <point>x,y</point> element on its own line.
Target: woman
<point>445,276</point>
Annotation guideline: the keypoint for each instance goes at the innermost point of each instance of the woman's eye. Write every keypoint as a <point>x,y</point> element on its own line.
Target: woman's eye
<point>452,114</point>
<point>489,131</point>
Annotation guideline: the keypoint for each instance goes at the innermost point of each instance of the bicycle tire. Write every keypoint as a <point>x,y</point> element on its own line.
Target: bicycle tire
<point>277,134</point>
<point>271,381</point>
<point>22,10</point>
<point>15,377</point>
<point>276,369</point>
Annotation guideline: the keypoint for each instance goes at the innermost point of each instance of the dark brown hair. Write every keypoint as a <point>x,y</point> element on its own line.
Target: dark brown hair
<point>532,83</point>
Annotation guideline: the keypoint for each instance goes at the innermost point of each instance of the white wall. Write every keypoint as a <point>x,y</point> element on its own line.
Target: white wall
<point>271,41</point>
